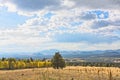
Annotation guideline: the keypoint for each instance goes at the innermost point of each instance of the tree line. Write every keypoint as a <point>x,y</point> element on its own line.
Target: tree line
<point>12,63</point>
<point>96,64</point>
<point>56,62</point>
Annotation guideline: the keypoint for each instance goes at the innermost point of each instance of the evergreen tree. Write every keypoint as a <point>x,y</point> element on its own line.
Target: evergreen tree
<point>58,61</point>
<point>11,63</point>
<point>3,59</point>
<point>31,59</point>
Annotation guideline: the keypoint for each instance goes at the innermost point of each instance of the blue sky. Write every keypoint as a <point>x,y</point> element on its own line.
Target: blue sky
<point>32,26</point>
<point>10,19</point>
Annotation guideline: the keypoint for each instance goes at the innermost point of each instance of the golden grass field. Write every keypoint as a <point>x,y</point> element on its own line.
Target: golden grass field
<point>68,73</point>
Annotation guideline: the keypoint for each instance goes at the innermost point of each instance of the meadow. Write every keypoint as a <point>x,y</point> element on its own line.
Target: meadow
<point>68,73</point>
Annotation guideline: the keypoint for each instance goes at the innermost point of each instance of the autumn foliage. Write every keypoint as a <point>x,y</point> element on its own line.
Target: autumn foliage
<point>12,63</point>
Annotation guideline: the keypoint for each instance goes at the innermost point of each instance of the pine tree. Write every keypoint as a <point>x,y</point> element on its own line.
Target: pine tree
<point>58,61</point>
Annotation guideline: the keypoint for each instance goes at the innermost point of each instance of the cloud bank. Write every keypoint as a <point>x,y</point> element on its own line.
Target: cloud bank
<point>62,24</point>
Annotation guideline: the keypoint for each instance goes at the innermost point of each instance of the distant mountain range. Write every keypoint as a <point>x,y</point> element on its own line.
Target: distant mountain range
<point>67,54</point>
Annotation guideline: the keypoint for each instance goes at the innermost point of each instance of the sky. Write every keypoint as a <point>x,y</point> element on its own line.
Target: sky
<point>35,25</point>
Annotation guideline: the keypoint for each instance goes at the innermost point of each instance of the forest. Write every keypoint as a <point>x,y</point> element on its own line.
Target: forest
<point>13,63</point>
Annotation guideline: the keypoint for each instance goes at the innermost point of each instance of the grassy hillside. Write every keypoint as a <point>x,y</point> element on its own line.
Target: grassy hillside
<point>68,73</point>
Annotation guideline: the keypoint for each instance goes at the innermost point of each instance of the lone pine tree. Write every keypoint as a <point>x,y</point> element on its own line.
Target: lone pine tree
<point>58,61</point>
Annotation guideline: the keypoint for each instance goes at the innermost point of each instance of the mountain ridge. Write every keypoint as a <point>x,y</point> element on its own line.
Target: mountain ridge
<point>66,54</point>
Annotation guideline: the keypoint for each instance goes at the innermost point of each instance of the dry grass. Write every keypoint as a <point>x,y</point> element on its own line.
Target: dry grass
<point>68,73</point>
